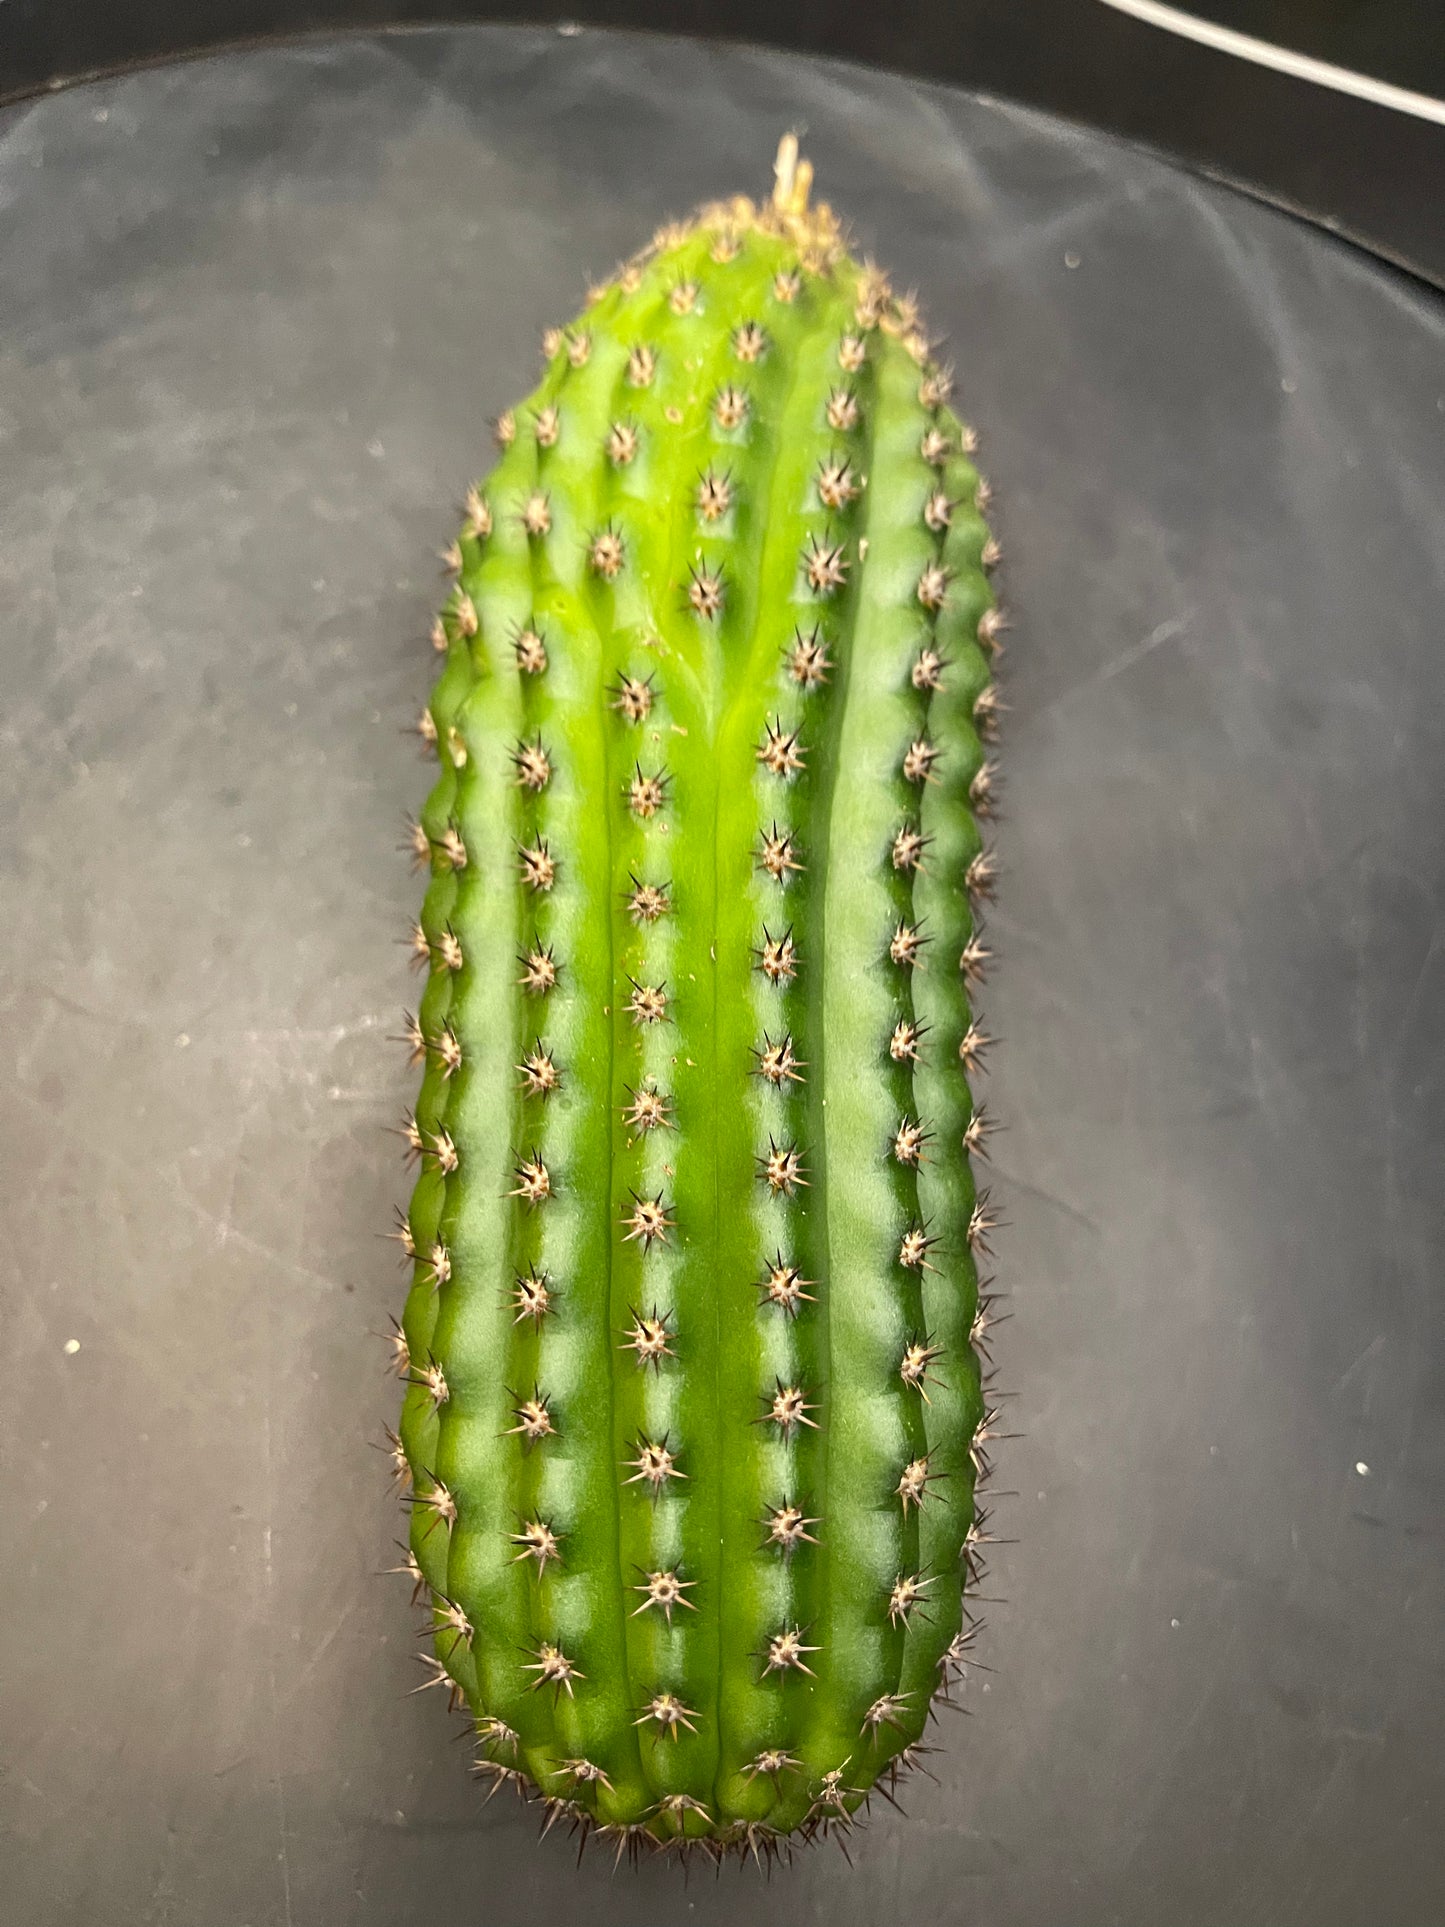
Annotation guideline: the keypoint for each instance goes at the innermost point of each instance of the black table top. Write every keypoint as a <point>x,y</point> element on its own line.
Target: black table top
<point>254,316</point>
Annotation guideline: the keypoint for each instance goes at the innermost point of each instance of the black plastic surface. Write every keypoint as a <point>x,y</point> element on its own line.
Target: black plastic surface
<point>254,316</point>
<point>1398,40</point>
<point>1356,168</point>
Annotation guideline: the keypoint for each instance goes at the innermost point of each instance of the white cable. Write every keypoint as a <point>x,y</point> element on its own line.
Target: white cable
<point>1299,66</point>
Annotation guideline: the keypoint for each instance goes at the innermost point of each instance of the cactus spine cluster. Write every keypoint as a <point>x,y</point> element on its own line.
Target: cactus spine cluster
<point>694,1415</point>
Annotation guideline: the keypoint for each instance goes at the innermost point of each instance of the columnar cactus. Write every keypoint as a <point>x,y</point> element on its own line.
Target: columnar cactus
<point>694,1417</point>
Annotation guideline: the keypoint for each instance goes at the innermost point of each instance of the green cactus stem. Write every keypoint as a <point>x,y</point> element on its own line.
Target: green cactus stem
<point>694,1416</point>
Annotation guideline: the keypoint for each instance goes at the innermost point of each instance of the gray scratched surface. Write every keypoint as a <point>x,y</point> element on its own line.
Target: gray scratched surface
<point>253,317</point>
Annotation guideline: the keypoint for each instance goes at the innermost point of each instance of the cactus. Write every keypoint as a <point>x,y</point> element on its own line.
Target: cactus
<point>694,1413</point>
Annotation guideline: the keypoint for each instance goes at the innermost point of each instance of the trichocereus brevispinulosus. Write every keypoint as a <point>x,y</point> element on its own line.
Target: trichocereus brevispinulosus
<point>694,1346</point>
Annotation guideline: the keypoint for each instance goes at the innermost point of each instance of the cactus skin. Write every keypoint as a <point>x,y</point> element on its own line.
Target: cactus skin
<point>694,1412</point>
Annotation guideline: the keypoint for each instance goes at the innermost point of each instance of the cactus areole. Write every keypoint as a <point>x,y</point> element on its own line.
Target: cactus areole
<point>694,1412</point>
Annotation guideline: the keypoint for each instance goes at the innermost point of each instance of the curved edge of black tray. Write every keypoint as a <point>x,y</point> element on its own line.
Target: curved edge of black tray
<point>1370,175</point>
